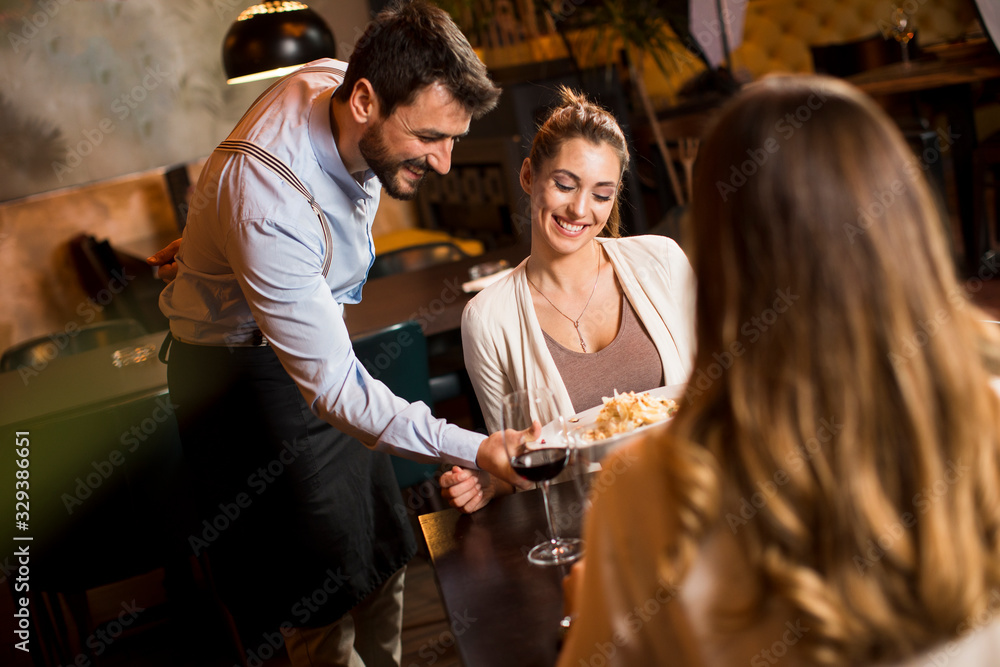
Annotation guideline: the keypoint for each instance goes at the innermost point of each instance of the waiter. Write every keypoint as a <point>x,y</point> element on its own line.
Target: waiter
<point>271,400</point>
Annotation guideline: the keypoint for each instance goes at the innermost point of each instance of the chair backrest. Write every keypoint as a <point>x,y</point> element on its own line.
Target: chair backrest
<point>39,351</point>
<point>178,184</point>
<point>414,258</point>
<point>97,268</point>
<point>397,356</point>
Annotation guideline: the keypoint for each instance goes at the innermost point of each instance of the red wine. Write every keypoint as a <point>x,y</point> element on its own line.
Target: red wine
<point>540,464</point>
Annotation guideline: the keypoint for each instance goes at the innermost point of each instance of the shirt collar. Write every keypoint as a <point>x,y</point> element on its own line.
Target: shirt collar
<point>325,149</point>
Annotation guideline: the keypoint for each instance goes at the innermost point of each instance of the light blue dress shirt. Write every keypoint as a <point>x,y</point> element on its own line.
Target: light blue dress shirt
<point>252,257</point>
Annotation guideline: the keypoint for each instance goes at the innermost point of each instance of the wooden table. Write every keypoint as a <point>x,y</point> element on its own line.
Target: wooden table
<point>104,453</point>
<point>84,382</point>
<point>432,296</point>
<point>928,73</point>
<point>504,611</point>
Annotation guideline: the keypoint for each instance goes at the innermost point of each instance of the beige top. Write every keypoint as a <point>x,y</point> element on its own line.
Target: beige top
<point>629,363</point>
<point>629,615</point>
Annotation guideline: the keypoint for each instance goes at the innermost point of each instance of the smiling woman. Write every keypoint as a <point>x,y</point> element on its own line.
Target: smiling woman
<point>587,313</point>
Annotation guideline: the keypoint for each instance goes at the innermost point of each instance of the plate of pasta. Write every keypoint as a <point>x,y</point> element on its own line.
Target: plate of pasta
<point>624,415</point>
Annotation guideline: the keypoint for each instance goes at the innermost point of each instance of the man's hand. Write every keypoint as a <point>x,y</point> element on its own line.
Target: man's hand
<point>164,262</point>
<point>469,490</point>
<point>493,457</point>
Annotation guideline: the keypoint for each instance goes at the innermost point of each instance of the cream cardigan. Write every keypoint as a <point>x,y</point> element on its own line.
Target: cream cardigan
<point>504,346</point>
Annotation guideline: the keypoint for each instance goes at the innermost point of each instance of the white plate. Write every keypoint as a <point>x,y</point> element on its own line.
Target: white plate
<point>479,284</point>
<point>588,419</point>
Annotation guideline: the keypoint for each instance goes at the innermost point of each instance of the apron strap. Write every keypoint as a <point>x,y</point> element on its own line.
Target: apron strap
<point>164,352</point>
<point>283,172</point>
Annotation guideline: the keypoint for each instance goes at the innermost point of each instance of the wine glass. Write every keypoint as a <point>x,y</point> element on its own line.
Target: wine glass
<point>540,453</point>
<point>902,32</point>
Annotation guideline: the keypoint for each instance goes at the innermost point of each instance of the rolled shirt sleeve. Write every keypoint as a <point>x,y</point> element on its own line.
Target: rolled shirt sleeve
<point>280,274</point>
<point>252,257</point>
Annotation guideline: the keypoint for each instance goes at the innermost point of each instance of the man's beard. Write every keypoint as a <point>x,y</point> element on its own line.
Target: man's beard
<point>376,153</point>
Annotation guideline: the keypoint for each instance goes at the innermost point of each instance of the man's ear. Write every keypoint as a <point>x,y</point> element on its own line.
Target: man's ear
<point>363,102</point>
<point>526,176</point>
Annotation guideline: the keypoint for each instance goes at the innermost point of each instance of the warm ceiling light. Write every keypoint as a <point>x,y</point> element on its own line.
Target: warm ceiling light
<point>274,38</point>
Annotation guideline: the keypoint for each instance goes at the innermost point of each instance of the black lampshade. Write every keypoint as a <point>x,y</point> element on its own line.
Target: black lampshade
<point>273,38</point>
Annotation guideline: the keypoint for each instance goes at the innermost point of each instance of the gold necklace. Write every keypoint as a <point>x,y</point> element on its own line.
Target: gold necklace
<point>576,322</point>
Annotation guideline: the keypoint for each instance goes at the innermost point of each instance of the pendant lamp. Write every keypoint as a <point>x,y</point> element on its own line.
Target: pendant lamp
<point>274,38</point>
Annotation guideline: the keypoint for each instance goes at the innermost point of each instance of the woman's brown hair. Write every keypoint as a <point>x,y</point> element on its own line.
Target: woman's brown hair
<point>839,362</point>
<point>577,117</point>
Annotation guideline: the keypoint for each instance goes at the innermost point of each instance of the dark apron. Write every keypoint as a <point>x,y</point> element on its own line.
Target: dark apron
<point>301,522</point>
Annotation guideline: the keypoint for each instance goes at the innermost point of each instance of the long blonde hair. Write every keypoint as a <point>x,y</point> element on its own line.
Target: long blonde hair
<point>841,375</point>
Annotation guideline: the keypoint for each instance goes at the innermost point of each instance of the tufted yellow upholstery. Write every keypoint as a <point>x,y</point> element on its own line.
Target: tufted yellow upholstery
<point>777,37</point>
<point>778,33</point>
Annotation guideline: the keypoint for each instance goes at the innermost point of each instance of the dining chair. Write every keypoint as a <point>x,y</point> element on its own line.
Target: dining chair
<point>123,286</point>
<point>448,379</point>
<point>112,533</point>
<point>397,356</point>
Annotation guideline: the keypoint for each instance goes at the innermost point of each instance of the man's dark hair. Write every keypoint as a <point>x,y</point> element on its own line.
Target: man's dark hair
<point>411,45</point>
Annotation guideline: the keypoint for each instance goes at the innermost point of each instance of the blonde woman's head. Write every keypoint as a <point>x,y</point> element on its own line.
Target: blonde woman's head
<point>838,354</point>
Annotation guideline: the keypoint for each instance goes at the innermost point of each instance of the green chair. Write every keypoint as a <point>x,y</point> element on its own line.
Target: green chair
<point>397,356</point>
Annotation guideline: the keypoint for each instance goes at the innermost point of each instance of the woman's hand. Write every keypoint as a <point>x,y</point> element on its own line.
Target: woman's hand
<point>470,490</point>
<point>163,260</point>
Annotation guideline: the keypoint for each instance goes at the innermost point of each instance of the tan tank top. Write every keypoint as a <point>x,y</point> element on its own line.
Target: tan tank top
<point>630,363</point>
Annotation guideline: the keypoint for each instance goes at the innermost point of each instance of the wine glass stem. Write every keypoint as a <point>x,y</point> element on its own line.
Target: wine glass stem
<point>553,538</point>
<point>906,53</point>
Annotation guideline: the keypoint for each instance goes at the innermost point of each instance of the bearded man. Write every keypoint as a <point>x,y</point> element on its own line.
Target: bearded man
<point>284,431</point>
